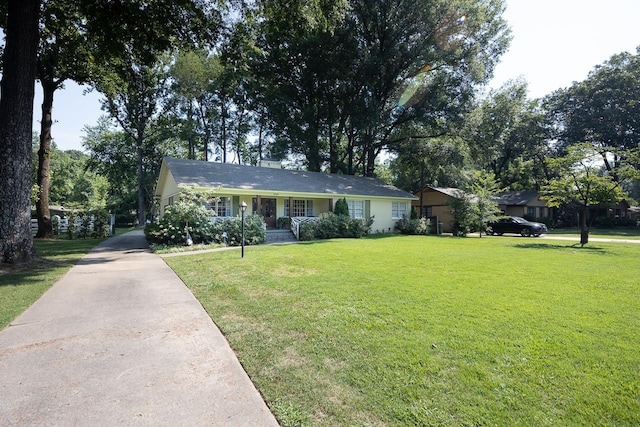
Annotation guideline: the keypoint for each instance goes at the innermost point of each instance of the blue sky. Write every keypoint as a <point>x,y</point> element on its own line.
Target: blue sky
<point>555,42</point>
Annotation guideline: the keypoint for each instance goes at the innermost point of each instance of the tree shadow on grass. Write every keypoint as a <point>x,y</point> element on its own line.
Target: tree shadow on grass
<point>573,247</point>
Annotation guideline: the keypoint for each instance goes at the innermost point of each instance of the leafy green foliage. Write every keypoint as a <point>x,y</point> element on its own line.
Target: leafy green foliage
<point>330,226</point>
<point>414,226</point>
<point>255,230</point>
<point>474,208</point>
<point>88,224</point>
<point>505,129</point>
<point>335,95</point>
<point>178,219</point>
<point>484,207</point>
<point>602,110</point>
<point>341,207</point>
<point>190,215</point>
<point>283,222</point>
<point>462,211</point>
<point>579,180</point>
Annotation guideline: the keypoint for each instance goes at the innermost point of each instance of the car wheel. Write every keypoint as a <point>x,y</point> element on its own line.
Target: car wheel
<point>525,232</point>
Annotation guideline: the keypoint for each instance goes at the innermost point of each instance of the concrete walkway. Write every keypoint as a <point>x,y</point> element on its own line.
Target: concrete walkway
<point>120,340</point>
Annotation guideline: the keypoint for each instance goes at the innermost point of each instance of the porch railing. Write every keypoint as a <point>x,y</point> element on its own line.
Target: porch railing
<point>298,221</point>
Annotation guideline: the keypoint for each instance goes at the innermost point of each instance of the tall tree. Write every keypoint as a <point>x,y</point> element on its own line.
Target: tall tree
<point>580,180</point>
<point>602,110</point>
<point>132,98</point>
<point>16,117</point>
<point>63,54</point>
<point>439,161</point>
<point>192,100</point>
<point>341,95</point>
<point>507,137</point>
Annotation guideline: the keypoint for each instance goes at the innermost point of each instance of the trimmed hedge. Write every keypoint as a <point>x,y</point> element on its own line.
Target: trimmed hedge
<point>332,226</point>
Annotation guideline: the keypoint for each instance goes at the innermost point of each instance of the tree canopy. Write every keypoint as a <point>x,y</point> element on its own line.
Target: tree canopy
<point>581,180</point>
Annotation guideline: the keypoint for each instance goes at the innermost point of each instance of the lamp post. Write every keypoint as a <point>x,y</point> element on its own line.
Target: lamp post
<point>243,208</point>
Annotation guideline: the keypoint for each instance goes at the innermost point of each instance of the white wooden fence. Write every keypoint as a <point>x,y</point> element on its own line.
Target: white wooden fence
<point>63,224</point>
<point>298,221</point>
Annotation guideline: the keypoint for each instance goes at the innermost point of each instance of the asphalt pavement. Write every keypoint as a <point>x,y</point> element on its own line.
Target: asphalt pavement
<point>120,340</point>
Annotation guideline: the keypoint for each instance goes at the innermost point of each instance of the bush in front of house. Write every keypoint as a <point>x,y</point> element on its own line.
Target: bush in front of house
<point>255,231</point>
<point>341,207</point>
<point>418,226</point>
<point>332,226</point>
<point>179,218</point>
<point>172,228</point>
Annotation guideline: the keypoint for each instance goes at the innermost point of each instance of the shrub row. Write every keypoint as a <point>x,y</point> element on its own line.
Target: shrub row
<point>85,224</point>
<point>332,226</point>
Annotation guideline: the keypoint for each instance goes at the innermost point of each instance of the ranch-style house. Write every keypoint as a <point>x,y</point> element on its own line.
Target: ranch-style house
<point>273,192</point>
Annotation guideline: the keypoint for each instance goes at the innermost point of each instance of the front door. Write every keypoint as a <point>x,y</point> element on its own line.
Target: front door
<point>267,210</point>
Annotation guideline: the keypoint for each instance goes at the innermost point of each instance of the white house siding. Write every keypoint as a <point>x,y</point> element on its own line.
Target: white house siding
<point>381,211</point>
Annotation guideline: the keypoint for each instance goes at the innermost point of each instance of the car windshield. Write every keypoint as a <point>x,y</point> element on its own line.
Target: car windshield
<point>519,220</point>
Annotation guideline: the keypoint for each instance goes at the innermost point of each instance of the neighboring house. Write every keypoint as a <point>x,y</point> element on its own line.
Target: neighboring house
<point>273,192</point>
<point>623,210</point>
<point>523,203</point>
<point>435,203</point>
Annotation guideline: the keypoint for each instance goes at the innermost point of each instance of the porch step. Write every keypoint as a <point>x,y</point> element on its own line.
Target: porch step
<point>280,236</point>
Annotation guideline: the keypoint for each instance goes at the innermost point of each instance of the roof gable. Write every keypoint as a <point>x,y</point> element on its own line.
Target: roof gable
<point>453,192</point>
<point>230,176</point>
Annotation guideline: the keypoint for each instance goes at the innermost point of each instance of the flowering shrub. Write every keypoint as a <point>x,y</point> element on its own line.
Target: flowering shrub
<point>178,219</point>
<point>192,217</point>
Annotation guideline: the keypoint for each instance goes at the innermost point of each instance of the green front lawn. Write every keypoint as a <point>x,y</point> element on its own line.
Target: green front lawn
<point>432,330</point>
<point>627,233</point>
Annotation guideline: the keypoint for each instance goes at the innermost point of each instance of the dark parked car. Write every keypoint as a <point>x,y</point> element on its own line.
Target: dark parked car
<point>517,225</point>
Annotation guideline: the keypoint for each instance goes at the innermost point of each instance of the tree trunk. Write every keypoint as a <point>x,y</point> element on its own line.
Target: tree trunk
<point>16,119</point>
<point>45,226</point>
<point>142,216</point>
<point>584,228</point>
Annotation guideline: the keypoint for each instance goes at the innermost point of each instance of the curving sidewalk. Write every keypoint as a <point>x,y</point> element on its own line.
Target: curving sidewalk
<point>121,340</point>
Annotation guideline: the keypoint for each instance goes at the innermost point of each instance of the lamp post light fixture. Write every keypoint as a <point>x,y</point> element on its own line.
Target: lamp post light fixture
<point>243,208</point>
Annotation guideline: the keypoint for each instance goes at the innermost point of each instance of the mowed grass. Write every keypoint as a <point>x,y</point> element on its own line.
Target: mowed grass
<point>432,330</point>
<point>22,285</point>
<point>618,233</point>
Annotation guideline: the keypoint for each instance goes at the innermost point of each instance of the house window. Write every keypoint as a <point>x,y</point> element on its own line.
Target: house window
<point>356,208</point>
<point>221,206</point>
<point>427,212</point>
<point>398,210</point>
<point>531,211</point>
<point>300,207</point>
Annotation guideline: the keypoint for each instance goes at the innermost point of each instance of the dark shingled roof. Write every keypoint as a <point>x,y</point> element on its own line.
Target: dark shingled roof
<point>233,176</point>
<point>516,198</point>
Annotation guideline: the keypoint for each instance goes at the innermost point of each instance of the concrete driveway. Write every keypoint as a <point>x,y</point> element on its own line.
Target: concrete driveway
<point>120,340</point>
